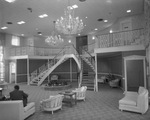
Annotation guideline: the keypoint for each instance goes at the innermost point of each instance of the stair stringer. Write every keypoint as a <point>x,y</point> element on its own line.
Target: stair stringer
<point>50,70</point>
<point>93,69</point>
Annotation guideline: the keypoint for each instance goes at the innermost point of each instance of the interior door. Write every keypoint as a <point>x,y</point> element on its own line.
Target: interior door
<point>135,74</point>
<point>81,41</point>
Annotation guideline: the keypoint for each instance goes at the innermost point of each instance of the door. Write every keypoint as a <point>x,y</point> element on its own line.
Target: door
<point>135,72</point>
<point>81,41</point>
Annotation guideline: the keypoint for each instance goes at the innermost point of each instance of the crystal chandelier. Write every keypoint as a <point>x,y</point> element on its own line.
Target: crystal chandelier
<point>54,39</point>
<point>69,24</point>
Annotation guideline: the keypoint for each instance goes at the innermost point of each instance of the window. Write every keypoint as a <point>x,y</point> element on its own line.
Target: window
<point>15,41</point>
<point>2,67</point>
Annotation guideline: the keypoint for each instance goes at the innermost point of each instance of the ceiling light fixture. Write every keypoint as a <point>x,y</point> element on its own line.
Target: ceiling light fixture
<point>69,24</point>
<point>21,22</point>
<point>3,28</point>
<point>105,20</point>
<point>43,16</point>
<point>128,11</point>
<point>54,39</point>
<point>10,1</point>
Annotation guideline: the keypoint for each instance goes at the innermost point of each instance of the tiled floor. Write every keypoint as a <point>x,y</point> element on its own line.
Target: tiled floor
<point>102,105</point>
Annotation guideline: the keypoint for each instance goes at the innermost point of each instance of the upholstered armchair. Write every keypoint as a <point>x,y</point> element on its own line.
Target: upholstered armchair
<point>53,103</point>
<point>135,101</point>
<point>114,83</point>
<point>80,93</point>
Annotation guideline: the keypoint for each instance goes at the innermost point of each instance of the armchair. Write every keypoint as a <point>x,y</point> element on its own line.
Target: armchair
<point>135,101</point>
<point>52,103</point>
<point>80,93</point>
<point>114,83</point>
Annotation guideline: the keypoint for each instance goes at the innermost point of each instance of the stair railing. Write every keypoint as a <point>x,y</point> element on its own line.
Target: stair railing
<point>88,56</point>
<point>48,65</point>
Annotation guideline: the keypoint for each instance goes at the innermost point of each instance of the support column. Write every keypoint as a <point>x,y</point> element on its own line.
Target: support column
<point>96,76</point>
<point>70,69</point>
<point>28,74</point>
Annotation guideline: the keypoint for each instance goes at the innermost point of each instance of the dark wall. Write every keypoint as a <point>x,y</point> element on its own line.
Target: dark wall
<point>81,41</point>
<point>63,70</point>
<point>36,63</point>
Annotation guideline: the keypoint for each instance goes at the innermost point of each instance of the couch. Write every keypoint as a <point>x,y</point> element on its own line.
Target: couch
<point>135,101</point>
<point>80,93</point>
<point>53,103</point>
<point>14,110</point>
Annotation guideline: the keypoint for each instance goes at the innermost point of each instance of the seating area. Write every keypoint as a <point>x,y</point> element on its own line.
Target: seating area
<point>135,101</point>
<point>98,105</point>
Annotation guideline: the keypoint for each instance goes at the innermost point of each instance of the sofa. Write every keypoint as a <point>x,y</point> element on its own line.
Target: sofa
<point>53,103</point>
<point>135,101</point>
<point>80,93</point>
<point>14,110</point>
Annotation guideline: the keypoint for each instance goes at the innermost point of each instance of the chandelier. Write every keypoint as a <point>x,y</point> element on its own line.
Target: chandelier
<point>69,24</point>
<point>54,39</point>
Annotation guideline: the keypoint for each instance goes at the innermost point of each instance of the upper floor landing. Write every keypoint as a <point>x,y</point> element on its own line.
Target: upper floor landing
<point>114,42</point>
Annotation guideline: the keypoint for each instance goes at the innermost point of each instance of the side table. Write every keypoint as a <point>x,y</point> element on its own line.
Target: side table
<point>69,97</point>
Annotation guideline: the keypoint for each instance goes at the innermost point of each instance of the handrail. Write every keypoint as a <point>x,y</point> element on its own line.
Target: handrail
<point>92,60</point>
<point>122,31</point>
<point>52,62</point>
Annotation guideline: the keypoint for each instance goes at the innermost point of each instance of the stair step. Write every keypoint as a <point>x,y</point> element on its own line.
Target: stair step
<point>33,84</point>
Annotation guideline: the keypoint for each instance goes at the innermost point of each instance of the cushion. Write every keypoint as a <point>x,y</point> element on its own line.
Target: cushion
<point>29,106</point>
<point>127,100</point>
<point>82,88</point>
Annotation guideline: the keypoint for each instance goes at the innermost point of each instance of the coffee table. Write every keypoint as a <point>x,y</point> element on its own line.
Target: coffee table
<point>69,97</point>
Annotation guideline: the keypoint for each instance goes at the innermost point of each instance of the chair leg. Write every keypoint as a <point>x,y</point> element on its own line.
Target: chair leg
<point>52,112</point>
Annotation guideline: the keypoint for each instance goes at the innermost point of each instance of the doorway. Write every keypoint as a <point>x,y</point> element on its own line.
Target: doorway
<point>135,72</point>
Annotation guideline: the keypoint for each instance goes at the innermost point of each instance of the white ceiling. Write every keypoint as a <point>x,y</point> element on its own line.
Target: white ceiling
<point>92,9</point>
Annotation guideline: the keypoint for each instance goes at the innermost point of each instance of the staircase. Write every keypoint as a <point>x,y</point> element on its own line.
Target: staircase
<point>88,76</point>
<point>39,75</point>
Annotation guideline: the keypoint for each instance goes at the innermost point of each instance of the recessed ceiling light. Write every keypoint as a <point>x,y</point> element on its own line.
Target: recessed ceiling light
<point>78,34</point>
<point>93,38</point>
<point>10,1</point>
<point>110,31</point>
<point>74,6</point>
<point>95,29</point>
<point>3,28</point>
<point>128,11</point>
<point>69,41</point>
<point>43,16</point>
<point>105,20</point>
<point>86,17</point>
<point>22,34</point>
<point>21,22</point>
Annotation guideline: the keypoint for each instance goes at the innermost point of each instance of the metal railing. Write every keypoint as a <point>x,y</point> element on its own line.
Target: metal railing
<point>34,51</point>
<point>124,38</point>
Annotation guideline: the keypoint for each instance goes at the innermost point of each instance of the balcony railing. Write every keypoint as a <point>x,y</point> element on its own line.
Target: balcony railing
<point>125,38</point>
<point>34,51</point>
<point>132,37</point>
